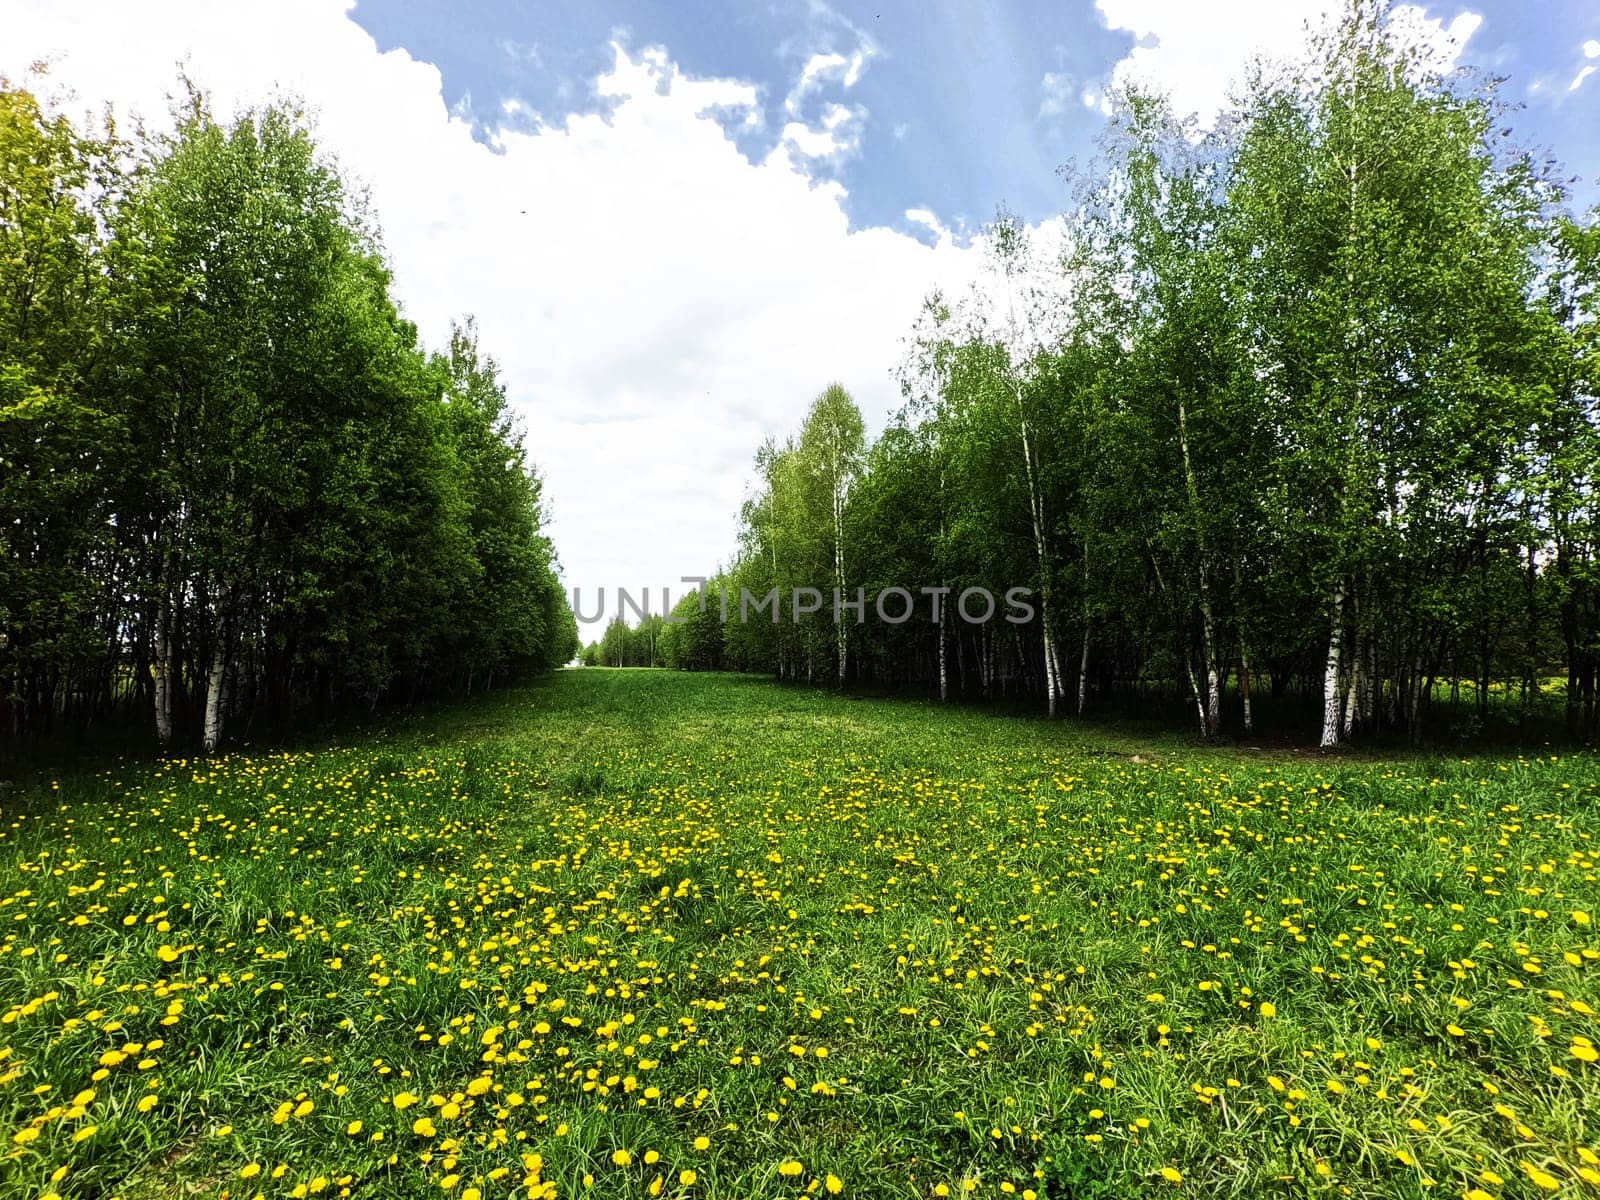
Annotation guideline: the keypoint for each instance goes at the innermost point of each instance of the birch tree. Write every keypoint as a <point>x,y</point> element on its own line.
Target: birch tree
<point>829,454</point>
<point>1366,206</point>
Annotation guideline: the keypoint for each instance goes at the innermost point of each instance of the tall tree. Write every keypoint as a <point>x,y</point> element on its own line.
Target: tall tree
<point>829,456</point>
<point>58,441</point>
<point>1378,238</point>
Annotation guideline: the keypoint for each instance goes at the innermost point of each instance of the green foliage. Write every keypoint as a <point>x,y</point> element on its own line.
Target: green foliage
<point>696,639</point>
<point>1306,410</point>
<point>235,487</point>
<point>59,438</point>
<point>796,535</point>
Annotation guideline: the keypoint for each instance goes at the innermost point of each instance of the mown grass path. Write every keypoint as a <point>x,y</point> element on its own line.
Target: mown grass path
<point>639,933</point>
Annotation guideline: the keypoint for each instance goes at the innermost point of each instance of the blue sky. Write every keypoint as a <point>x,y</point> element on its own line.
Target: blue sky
<point>676,224</point>
<point>957,115</point>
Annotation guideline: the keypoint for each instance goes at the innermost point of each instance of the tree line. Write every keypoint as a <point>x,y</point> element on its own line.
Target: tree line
<point>1304,408</point>
<point>623,645</point>
<point>235,490</point>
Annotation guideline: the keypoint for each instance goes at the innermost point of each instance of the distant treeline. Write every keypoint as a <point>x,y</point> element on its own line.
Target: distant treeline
<point>1306,406</point>
<point>234,491</point>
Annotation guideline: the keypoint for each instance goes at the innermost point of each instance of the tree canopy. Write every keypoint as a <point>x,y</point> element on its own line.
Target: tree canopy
<point>234,488</point>
<point>1307,403</point>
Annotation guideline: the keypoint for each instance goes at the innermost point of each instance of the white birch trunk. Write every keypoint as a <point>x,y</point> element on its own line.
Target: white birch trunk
<point>163,674</point>
<point>1083,670</point>
<point>1211,713</point>
<point>1194,689</point>
<point>1355,678</point>
<point>1333,720</point>
<point>1052,685</point>
<point>1212,719</point>
<point>161,677</point>
<point>1353,687</point>
<point>944,659</point>
<point>1372,694</point>
<point>215,678</point>
<point>1332,671</point>
<point>1052,672</point>
<point>1244,689</point>
<point>1052,666</point>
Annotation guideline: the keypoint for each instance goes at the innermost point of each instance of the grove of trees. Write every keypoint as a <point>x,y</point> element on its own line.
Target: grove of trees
<point>624,645</point>
<point>235,491</point>
<point>1305,407</point>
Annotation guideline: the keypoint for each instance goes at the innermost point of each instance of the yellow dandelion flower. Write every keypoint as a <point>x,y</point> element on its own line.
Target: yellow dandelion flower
<point>1541,1178</point>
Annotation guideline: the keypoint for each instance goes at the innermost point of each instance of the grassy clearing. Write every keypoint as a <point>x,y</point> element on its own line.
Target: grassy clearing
<point>643,933</point>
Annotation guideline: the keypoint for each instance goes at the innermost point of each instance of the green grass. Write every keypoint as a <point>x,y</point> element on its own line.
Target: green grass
<point>873,945</point>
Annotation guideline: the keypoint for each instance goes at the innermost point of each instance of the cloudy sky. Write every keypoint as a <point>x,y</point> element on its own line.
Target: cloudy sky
<point>677,222</point>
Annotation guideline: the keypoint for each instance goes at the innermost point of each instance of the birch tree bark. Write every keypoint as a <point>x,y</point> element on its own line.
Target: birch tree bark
<point>1083,669</point>
<point>163,655</point>
<point>1332,668</point>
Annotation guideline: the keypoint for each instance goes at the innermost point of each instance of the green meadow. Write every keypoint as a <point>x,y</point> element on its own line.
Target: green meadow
<point>639,933</point>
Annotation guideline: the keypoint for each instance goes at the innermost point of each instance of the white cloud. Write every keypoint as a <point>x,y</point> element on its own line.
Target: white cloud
<point>1198,49</point>
<point>1578,79</point>
<point>1444,44</point>
<point>1056,87</point>
<point>820,68</point>
<point>836,135</point>
<point>929,220</point>
<point>1591,49</point>
<point>658,302</point>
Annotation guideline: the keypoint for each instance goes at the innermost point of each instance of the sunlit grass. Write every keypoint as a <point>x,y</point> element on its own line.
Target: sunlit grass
<point>640,933</point>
